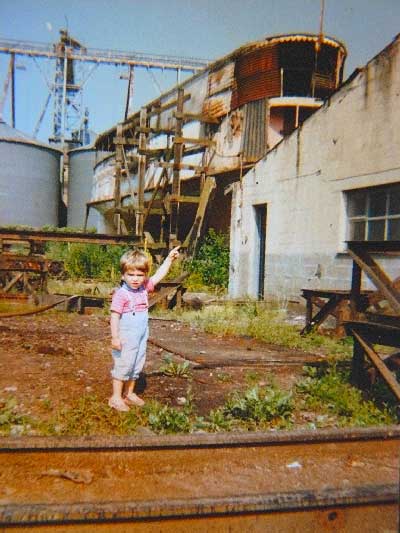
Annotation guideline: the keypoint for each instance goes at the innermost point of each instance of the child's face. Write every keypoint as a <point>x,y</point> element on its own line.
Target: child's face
<point>134,278</point>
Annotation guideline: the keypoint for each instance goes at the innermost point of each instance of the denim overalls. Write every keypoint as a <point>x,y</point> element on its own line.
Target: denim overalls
<point>134,332</point>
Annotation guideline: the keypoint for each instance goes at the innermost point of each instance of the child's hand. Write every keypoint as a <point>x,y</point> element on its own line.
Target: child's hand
<point>116,343</point>
<point>174,253</point>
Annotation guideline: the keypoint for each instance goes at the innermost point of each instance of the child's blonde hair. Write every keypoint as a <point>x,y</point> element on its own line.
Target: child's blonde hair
<point>135,260</point>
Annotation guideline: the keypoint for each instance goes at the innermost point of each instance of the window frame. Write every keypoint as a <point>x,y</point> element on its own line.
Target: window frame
<point>366,218</point>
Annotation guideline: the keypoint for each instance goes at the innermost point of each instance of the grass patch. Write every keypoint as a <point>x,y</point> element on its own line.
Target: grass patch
<point>11,421</point>
<point>265,323</point>
<point>329,393</point>
<point>89,416</point>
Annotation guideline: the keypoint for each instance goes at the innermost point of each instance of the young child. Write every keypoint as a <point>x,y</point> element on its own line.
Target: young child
<point>129,324</point>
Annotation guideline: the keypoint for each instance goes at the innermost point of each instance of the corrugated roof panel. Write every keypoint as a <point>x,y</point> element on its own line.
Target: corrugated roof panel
<point>261,85</point>
<point>257,76</point>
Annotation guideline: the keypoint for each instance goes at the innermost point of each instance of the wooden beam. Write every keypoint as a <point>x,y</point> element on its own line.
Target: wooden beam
<point>184,199</point>
<point>187,117</point>
<point>129,141</point>
<point>176,183</point>
<point>173,103</point>
<point>195,231</point>
<point>376,274</point>
<point>379,364</point>
<point>191,140</point>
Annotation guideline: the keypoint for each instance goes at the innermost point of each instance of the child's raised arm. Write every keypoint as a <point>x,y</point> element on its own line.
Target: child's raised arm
<point>166,265</point>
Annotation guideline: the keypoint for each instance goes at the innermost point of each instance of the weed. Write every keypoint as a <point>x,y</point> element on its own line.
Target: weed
<point>217,420</point>
<point>171,368</point>
<point>89,416</point>
<point>224,377</point>
<point>262,322</point>
<point>331,393</point>
<point>165,419</point>
<point>10,420</point>
<point>261,405</point>
<point>252,377</point>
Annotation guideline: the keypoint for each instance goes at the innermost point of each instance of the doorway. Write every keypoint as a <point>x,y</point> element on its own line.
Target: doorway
<point>261,228</point>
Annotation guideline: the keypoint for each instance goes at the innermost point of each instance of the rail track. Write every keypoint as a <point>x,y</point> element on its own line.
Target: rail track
<point>326,480</point>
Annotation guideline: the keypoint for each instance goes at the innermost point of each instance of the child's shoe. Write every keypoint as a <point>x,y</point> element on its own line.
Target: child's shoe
<point>118,404</point>
<point>133,399</point>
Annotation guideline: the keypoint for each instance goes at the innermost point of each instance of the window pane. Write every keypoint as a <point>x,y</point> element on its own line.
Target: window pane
<point>357,231</point>
<point>394,202</point>
<point>377,203</point>
<point>357,203</point>
<point>394,230</point>
<point>376,230</point>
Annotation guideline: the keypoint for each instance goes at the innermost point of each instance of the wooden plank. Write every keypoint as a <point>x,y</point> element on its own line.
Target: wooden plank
<point>176,184</point>
<point>184,199</point>
<point>326,310</point>
<point>376,274</point>
<point>165,107</point>
<point>192,140</point>
<point>379,364</point>
<point>194,233</point>
<point>207,119</point>
<point>129,141</point>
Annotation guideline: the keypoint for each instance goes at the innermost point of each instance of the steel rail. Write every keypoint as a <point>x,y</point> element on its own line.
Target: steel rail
<point>249,485</point>
<point>198,508</point>
<point>212,440</point>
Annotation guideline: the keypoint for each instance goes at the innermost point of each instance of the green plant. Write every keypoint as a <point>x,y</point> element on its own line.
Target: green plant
<point>88,260</point>
<point>10,418</point>
<point>90,416</point>
<point>166,419</point>
<point>224,377</point>
<point>329,391</point>
<point>171,368</point>
<point>211,262</point>
<point>261,405</point>
<point>217,420</point>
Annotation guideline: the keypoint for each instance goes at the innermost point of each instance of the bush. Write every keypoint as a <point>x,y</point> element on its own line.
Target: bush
<point>210,266</point>
<point>88,260</point>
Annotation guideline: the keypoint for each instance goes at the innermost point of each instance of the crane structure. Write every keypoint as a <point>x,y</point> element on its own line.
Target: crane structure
<point>70,121</point>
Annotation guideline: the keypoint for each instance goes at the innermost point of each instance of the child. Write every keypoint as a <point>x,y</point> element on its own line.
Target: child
<point>129,324</point>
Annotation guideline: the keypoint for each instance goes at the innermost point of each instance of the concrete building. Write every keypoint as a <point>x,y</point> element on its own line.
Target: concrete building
<point>335,178</point>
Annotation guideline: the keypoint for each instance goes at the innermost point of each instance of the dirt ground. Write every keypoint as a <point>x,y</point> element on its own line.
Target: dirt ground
<point>50,359</point>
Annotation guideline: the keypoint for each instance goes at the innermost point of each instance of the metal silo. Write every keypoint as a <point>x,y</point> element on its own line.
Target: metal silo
<point>80,183</point>
<point>29,180</point>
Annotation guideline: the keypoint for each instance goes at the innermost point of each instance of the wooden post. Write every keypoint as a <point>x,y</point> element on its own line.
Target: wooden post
<point>178,152</point>
<point>357,376</point>
<point>355,290</point>
<point>141,171</point>
<point>118,174</point>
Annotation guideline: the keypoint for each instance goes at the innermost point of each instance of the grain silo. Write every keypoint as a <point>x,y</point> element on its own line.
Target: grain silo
<point>29,180</point>
<point>81,162</point>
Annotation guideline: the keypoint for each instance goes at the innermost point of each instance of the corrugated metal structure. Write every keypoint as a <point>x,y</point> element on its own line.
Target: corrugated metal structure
<point>29,180</point>
<point>81,163</point>
<point>218,123</point>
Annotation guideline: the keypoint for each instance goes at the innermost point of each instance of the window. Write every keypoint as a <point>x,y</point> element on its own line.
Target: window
<point>374,214</point>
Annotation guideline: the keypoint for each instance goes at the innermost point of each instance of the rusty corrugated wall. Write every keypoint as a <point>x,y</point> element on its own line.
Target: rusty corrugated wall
<point>254,138</point>
<point>257,75</point>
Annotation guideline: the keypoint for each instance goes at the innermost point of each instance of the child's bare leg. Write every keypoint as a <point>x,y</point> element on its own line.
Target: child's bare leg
<point>129,396</point>
<point>116,401</point>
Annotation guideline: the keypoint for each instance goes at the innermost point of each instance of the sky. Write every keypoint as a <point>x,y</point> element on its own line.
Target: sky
<point>206,29</point>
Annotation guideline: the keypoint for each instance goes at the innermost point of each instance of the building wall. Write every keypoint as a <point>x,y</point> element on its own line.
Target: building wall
<point>352,142</point>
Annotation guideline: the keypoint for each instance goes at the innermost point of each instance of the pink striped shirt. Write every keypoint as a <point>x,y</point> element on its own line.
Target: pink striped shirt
<point>126,300</point>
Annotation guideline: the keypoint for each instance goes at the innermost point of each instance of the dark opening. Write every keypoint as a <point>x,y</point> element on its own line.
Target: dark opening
<point>261,224</point>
